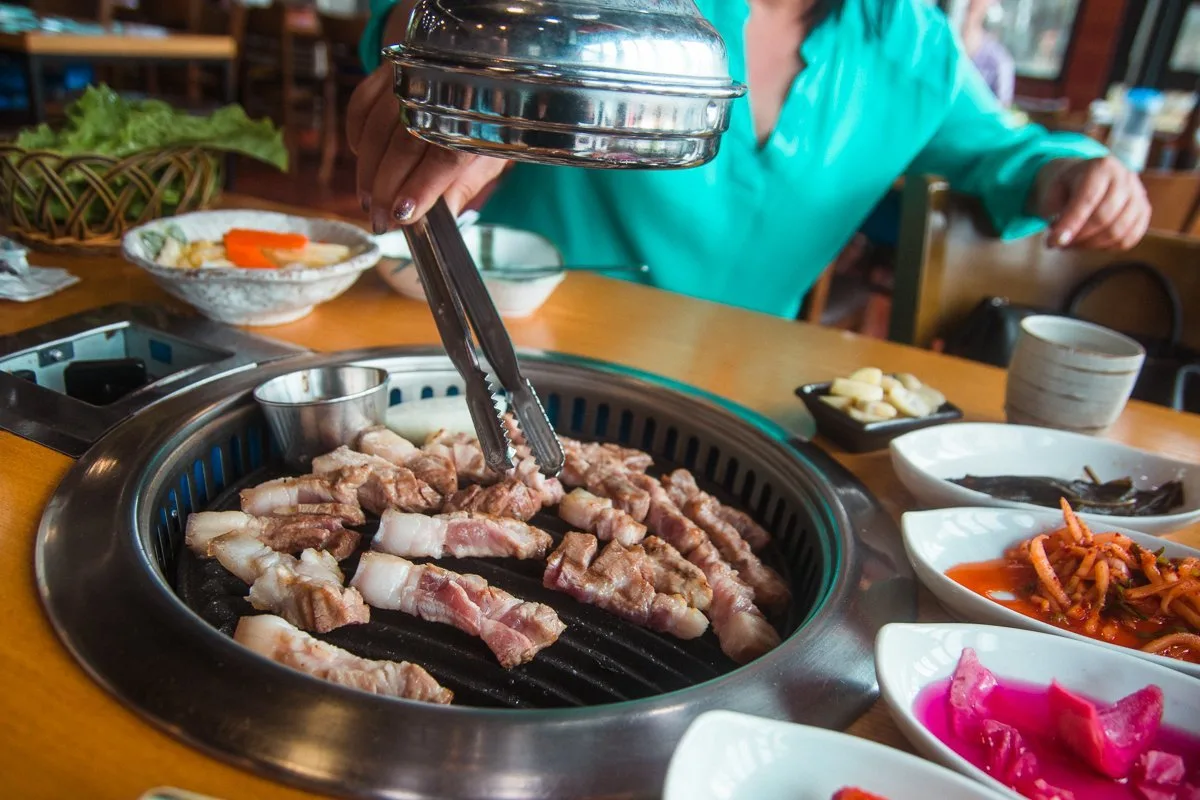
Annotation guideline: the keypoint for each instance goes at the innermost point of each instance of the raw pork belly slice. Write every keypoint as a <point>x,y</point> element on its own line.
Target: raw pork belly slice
<point>286,493</point>
<point>283,643</point>
<point>435,469</point>
<point>306,591</point>
<point>682,486</point>
<point>770,589</point>
<point>461,534</point>
<point>287,534</point>
<point>513,629</point>
<point>588,512</point>
<point>740,626</point>
<point>381,484</point>
<point>509,498</point>
<point>621,581</point>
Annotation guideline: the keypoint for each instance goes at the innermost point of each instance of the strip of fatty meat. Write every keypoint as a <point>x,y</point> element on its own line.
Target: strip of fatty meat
<point>674,574</point>
<point>770,589</point>
<point>287,534</point>
<point>288,493</point>
<point>461,534</point>
<point>513,629</point>
<point>682,486</point>
<point>307,591</point>
<point>435,469</point>
<point>588,512</point>
<point>508,498</point>
<point>465,452</point>
<point>621,581</point>
<point>384,485</point>
<point>739,624</point>
<point>467,455</point>
<point>283,643</point>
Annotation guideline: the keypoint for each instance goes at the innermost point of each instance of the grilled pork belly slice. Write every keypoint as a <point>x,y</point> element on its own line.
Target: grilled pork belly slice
<point>461,534</point>
<point>286,493</point>
<point>465,453</point>
<point>741,628</point>
<point>770,589</point>
<point>381,484</point>
<point>349,514</point>
<point>618,486</point>
<point>509,498</point>
<point>306,591</point>
<point>435,469</point>
<point>674,574</point>
<point>588,512</point>
<point>626,459</point>
<point>682,486</point>
<point>513,629</point>
<point>283,643</point>
<point>621,581</point>
<point>290,533</point>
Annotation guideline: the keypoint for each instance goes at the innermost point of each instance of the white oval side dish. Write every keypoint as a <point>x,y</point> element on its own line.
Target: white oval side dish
<point>507,248</point>
<point>730,756</point>
<point>910,657</point>
<point>927,459</point>
<point>261,297</point>
<point>938,540</point>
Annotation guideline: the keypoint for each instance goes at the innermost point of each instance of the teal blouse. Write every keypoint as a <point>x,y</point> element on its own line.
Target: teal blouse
<point>886,90</point>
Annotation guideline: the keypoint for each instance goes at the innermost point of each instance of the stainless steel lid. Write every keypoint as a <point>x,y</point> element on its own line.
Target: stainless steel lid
<point>612,84</point>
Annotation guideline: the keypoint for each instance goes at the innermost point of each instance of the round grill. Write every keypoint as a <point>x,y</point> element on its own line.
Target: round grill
<point>596,714</point>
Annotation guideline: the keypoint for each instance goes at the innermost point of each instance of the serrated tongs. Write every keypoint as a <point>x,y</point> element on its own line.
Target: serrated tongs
<point>456,294</point>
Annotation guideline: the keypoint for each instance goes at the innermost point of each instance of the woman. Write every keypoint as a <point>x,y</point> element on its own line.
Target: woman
<point>844,96</point>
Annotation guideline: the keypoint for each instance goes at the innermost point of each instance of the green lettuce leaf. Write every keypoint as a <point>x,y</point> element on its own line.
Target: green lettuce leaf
<point>101,121</point>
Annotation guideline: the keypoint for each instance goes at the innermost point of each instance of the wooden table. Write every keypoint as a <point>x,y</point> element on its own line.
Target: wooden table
<point>65,737</point>
<point>37,49</point>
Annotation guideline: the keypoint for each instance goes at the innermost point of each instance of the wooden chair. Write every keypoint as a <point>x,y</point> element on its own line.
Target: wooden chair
<point>341,36</point>
<point>949,259</point>
<point>1173,199</point>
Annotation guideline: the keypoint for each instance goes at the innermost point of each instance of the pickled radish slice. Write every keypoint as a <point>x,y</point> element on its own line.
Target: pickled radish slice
<point>1108,739</point>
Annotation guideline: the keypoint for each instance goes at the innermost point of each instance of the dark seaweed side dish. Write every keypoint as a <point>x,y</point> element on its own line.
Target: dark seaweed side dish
<point>1118,498</point>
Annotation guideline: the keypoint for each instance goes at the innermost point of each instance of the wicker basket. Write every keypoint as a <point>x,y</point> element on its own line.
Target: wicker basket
<point>87,201</point>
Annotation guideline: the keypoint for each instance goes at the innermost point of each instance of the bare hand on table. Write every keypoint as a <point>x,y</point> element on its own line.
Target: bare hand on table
<point>400,176</point>
<point>1095,203</point>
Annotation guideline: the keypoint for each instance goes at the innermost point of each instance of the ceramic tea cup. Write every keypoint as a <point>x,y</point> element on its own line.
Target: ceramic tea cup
<point>1070,374</point>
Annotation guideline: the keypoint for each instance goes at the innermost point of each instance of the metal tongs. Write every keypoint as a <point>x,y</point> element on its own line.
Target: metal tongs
<point>456,294</point>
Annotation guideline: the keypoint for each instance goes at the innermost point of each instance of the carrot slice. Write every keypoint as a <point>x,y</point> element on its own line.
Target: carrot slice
<point>268,239</point>
<point>853,793</point>
<point>250,256</point>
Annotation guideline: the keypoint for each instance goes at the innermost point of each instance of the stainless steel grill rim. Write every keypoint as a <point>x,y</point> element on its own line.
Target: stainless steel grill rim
<point>211,692</point>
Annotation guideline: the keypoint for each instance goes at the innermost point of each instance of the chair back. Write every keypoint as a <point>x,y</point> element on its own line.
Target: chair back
<point>949,258</point>
<point>1173,198</point>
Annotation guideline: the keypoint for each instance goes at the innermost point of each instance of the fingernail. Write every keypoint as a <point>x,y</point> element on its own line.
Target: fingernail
<point>1063,239</point>
<point>378,227</point>
<point>404,211</point>
<point>364,200</point>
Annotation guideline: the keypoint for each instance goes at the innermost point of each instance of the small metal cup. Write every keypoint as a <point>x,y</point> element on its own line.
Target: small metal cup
<point>313,411</point>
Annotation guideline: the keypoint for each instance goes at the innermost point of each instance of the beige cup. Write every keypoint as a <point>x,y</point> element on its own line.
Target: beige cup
<point>1071,375</point>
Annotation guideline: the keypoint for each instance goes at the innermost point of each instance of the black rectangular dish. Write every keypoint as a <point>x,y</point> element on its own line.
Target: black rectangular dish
<point>863,437</point>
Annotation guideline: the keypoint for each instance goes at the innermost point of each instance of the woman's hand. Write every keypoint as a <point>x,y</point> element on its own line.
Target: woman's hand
<point>400,176</point>
<point>1094,203</point>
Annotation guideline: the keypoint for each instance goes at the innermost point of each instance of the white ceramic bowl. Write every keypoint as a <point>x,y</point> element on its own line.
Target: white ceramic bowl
<point>490,246</point>
<point>254,296</point>
<point>729,756</point>
<point>926,460</point>
<point>938,540</point>
<point>910,657</point>
<point>1070,374</point>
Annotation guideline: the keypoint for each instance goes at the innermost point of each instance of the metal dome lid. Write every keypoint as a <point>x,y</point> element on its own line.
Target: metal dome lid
<point>662,43</point>
<point>612,84</point>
